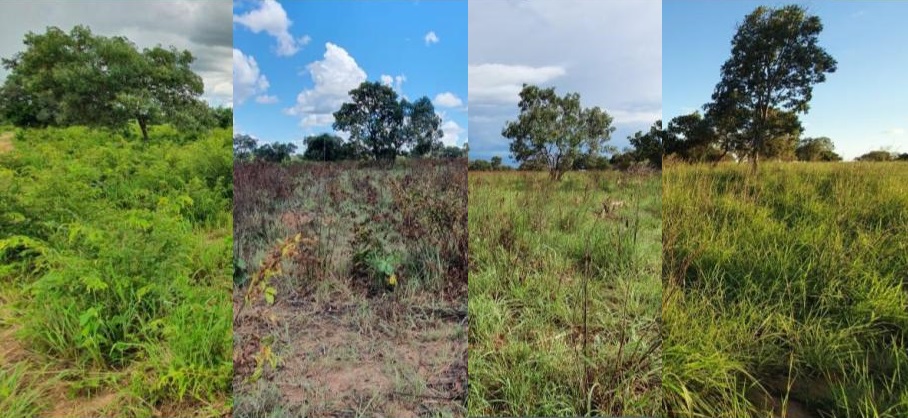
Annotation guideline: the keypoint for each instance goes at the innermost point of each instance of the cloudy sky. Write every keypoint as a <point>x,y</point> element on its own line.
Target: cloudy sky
<point>202,27</point>
<point>608,51</point>
<point>295,62</point>
<point>863,106</point>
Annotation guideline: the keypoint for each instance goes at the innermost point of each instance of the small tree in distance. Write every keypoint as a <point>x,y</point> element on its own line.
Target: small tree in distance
<point>555,130</point>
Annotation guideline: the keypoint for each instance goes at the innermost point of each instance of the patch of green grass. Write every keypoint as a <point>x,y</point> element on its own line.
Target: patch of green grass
<point>120,252</point>
<point>20,395</point>
<point>539,252</point>
<point>786,290</point>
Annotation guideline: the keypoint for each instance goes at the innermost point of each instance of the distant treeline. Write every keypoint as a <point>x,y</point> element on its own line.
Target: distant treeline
<point>322,147</point>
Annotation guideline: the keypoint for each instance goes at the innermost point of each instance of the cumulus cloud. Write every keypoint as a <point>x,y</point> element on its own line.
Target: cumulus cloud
<point>447,99</point>
<point>271,18</point>
<point>395,82</point>
<point>452,133</point>
<point>431,38</point>
<point>266,99</point>
<point>501,83</point>
<point>333,77</point>
<point>248,81</point>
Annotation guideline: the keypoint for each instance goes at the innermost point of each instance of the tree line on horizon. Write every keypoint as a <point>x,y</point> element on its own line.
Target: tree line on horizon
<point>380,125</point>
<point>767,82</point>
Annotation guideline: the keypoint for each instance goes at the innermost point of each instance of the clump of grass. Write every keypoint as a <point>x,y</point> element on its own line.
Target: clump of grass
<point>786,291</point>
<point>564,294</point>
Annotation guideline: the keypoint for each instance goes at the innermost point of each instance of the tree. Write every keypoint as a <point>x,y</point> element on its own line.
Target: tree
<point>453,152</point>
<point>495,163</point>
<point>816,149</point>
<point>275,153</point>
<point>244,146</point>
<point>775,62</point>
<point>649,146</point>
<point>84,79</point>
<point>326,147</point>
<point>383,126</point>
<point>479,165</point>
<point>876,156</point>
<point>421,125</point>
<point>555,131</point>
<point>690,137</point>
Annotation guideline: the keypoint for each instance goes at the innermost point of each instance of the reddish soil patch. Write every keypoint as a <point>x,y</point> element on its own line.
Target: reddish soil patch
<point>6,142</point>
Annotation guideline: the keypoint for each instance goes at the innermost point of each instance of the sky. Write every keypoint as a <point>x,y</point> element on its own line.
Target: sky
<point>863,106</point>
<point>202,27</point>
<point>295,62</point>
<point>608,51</point>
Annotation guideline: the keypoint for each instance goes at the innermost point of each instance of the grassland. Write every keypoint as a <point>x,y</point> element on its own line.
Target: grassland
<point>115,273</point>
<point>785,294</point>
<point>564,294</point>
<point>350,289</point>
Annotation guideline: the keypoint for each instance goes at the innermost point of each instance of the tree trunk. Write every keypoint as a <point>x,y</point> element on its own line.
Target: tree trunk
<point>143,124</point>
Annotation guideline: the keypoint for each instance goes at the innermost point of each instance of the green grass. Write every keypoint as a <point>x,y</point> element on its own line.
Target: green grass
<point>786,291</point>
<point>535,246</point>
<point>115,258</point>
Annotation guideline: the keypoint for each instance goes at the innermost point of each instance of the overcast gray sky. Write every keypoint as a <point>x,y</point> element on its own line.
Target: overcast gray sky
<point>609,51</point>
<point>202,27</point>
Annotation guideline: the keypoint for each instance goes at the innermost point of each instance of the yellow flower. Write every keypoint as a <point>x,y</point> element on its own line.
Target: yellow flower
<point>392,280</point>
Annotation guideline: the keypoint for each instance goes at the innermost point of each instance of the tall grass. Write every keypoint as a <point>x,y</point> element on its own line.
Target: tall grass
<point>564,294</point>
<point>786,292</point>
<point>121,252</point>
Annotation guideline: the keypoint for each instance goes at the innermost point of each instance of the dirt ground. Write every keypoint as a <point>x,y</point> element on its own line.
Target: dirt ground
<point>6,142</point>
<point>342,354</point>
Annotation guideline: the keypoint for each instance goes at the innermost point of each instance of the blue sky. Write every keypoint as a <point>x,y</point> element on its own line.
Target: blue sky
<point>294,62</point>
<point>608,51</point>
<point>863,106</point>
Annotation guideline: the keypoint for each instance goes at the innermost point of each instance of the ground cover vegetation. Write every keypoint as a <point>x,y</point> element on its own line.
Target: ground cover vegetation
<point>115,232</point>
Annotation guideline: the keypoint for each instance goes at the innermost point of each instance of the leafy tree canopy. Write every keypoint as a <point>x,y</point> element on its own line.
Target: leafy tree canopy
<point>79,78</point>
<point>554,131</point>
<point>775,61</point>
<point>385,127</point>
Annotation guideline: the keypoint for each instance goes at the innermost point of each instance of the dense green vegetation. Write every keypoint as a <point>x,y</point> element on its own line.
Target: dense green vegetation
<point>115,264</point>
<point>564,294</point>
<point>786,292</point>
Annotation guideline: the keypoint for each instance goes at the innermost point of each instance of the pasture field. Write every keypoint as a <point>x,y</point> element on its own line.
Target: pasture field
<point>115,261</point>
<point>350,289</point>
<point>564,294</point>
<point>786,294</point>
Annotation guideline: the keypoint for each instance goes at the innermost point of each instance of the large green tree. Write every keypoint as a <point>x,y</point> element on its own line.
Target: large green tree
<point>556,130</point>
<point>79,78</point>
<point>775,61</point>
<point>385,126</point>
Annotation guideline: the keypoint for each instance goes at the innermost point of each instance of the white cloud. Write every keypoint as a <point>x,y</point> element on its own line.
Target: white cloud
<point>623,116</point>
<point>248,81</point>
<point>271,18</point>
<point>447,99</point>
<point>396,82</point>
<point>431,38</point>
<point>333,78</point>
<point>895,132</point>
<point>266,99</point>
<point>501,83</point>
<point>452,133</point>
